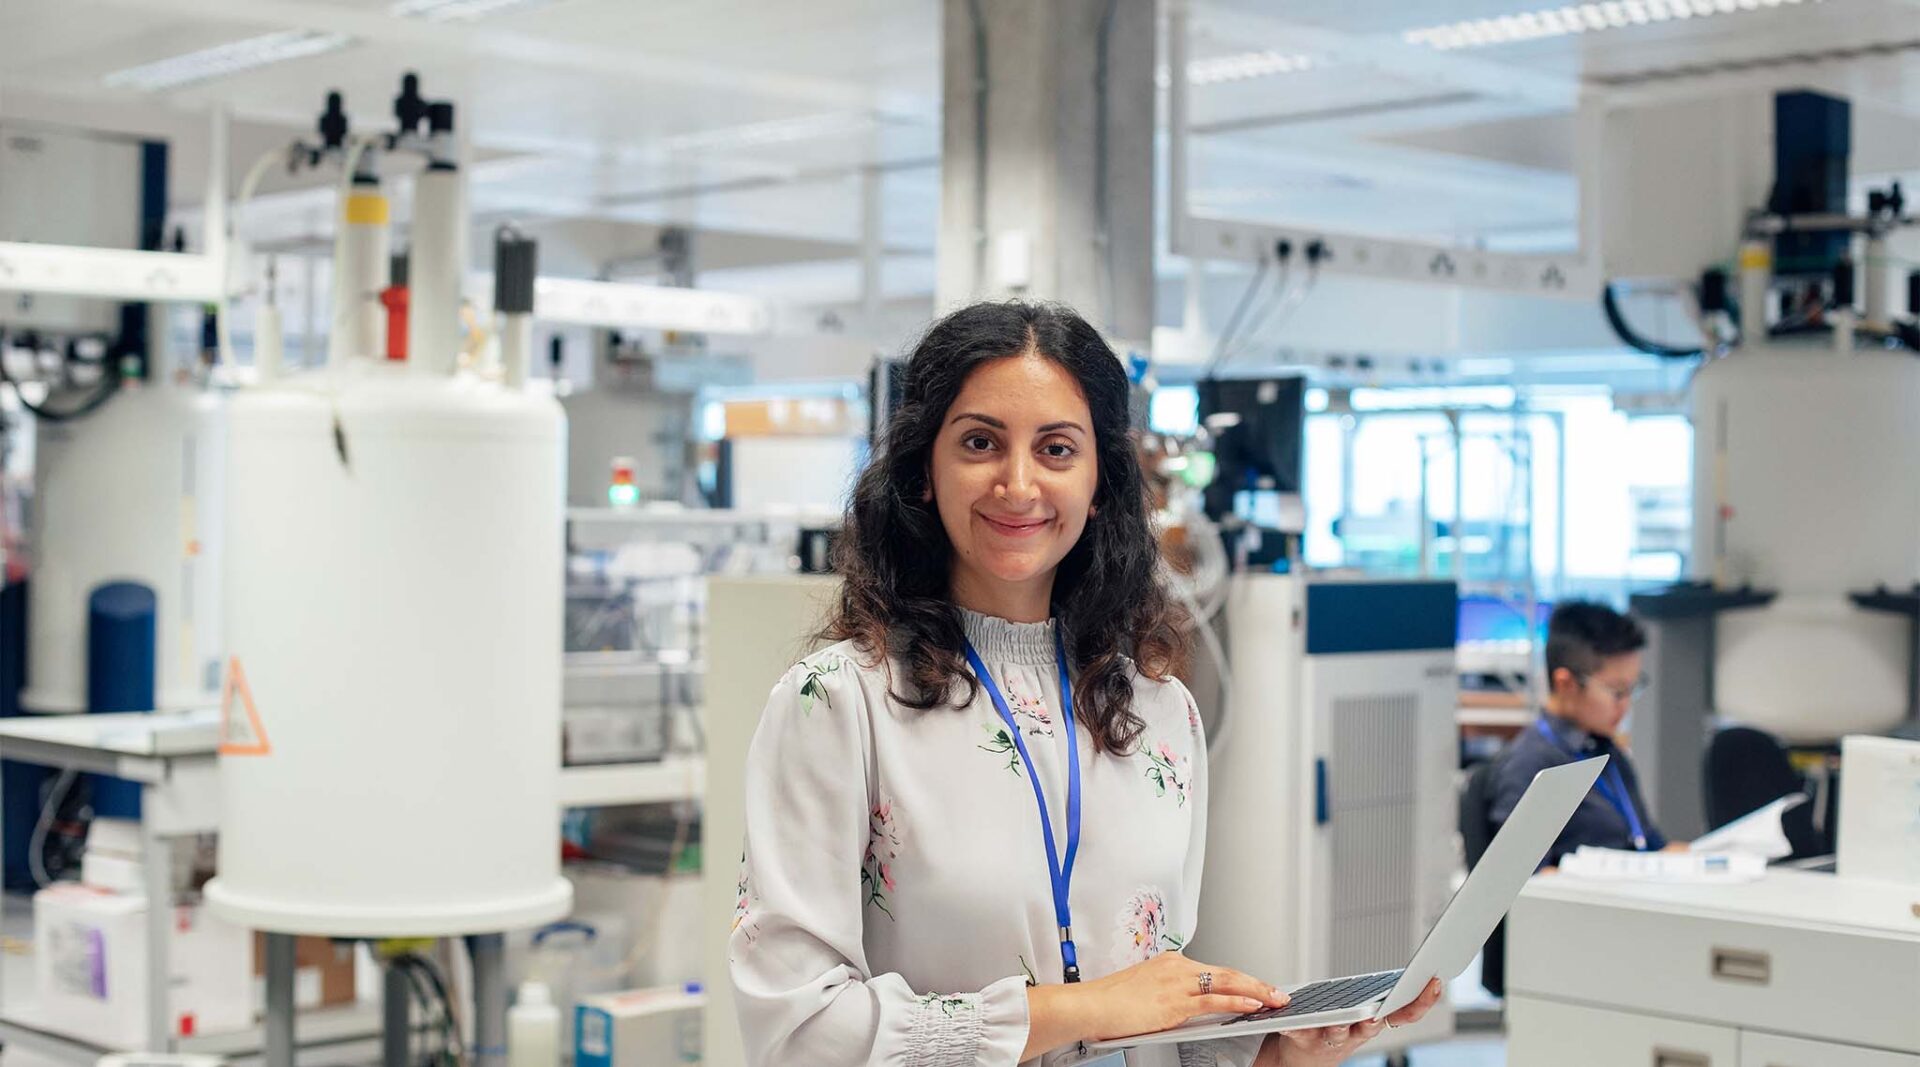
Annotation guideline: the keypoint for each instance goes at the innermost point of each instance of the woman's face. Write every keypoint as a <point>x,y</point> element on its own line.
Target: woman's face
<point>1013,474</point>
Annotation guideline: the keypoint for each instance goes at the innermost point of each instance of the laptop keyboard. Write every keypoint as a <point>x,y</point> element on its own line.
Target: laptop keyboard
<point>1331,995</point>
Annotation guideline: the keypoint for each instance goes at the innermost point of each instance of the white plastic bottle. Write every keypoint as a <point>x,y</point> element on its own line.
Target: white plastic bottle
<point>533,1028</point>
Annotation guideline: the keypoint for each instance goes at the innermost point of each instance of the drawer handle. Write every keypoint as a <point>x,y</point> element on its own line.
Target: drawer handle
<point>1741,965</point>
<point>1666,1057</point>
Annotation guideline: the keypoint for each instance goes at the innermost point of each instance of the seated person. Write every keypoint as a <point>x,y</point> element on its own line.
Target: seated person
<point>1593,674</point>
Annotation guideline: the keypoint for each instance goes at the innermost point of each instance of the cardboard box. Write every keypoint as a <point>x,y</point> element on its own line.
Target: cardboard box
<point>661,1027</point>
<point>322,972</point>
<point>90,964</point>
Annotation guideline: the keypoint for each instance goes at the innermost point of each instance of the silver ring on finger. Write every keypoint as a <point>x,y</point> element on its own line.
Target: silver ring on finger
<point>1206,983</point>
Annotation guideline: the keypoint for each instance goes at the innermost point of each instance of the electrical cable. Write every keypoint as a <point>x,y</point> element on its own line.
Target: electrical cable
<point>108,385</point>
<point>37,844</point>
<point>1239,312</point>
<point>1287,300</point>
<point>1610,304</point>
<point>433,990</point>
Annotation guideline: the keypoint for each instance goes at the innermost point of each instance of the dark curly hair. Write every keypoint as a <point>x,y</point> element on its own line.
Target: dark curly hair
<point>895,559</point>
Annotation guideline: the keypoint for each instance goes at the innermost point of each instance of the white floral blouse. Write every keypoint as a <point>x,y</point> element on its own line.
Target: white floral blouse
<point>894,893</point>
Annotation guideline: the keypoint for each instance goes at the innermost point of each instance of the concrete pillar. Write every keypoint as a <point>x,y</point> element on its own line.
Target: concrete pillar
<point>1027,208</point>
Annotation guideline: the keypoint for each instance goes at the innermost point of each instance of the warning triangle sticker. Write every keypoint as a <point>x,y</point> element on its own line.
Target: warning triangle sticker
<point>240,735</point>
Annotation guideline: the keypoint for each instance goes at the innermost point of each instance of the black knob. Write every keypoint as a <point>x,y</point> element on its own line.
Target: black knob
<point>333,122</point>
<point>409,107</point>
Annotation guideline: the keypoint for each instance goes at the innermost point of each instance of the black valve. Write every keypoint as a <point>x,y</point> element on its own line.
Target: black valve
<point>333,122</point>
<point>409,107</point>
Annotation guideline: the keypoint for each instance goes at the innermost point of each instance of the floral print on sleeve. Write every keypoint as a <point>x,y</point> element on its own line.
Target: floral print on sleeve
<point>1167,770</point>
<point>883,847</point>
<point>743,909</point>
<point>814,686</point>
<point>947,1005</point>
<point>1144,929</point>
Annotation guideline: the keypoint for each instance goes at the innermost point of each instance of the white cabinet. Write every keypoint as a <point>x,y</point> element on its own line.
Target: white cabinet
<point>1772,1050</point>
<point>1544,1033</point>
<point>1795,970</point>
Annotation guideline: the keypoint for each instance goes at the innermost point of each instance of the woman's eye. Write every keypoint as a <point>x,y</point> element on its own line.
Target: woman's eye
<point>1058,450</point>
<point>976,442</point>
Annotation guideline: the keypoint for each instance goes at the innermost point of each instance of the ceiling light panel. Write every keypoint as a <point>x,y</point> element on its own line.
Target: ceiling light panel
<point>1579,18</point>
<point>227,59</point>
<point>1240,66</point>
<point>456,10</point>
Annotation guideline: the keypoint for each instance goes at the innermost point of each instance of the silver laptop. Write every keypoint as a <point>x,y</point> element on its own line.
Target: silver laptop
<point>1470,917</point>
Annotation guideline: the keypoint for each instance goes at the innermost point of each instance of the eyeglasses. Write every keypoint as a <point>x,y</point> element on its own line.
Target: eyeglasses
<point>1620,695</point>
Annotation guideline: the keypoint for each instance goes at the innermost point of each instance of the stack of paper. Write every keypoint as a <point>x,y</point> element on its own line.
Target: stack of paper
<point>1758,832</point>
<point>1617,865</point>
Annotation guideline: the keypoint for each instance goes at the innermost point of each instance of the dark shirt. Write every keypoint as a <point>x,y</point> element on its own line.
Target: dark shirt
<point>1596,821</point>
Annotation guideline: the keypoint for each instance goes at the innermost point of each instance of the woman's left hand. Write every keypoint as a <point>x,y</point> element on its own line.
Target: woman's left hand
<point>1329,1045</point>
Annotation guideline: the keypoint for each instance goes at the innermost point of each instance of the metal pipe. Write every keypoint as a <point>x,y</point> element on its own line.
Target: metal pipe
<point>1459,496</point>
<point>1102,147</point>
<point>980,101</point>
<point>1177,132</point>
<point>213,238</point>
<point>157,854</point>
<point>872,248</point>
<point>1756,281</point>
<point>516,349</point>
<point>1771,225</point>
<point>436,265</point>
<point>1875,279</point>
<point>488,952</point>
<point>278,1051</point>
<point>396,1025</point>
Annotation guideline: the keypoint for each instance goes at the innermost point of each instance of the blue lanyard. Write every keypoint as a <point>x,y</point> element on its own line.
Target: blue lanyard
<point>1060,875</point>
<point>1612,786</point>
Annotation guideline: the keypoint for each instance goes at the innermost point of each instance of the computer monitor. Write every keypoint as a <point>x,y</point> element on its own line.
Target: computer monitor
<point>1258,443</point>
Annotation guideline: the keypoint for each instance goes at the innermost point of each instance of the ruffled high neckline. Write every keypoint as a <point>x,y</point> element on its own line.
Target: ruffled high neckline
<point>1000,641</point>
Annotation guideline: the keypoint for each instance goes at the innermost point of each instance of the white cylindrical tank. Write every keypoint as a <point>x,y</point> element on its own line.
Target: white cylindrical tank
<point>394,599</point>
<point>1799,490</point>
<point>131,492</point>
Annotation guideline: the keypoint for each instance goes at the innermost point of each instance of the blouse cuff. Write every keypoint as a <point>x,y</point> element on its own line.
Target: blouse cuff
<point>984,1029</point>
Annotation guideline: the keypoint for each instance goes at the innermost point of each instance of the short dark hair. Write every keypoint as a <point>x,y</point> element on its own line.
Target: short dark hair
<point>1582,635</point>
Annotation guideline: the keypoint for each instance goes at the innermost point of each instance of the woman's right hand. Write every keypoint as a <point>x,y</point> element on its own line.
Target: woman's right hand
<point>1165,992</point>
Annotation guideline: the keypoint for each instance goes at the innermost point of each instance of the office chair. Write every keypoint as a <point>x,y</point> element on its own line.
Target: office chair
<point>1476,833</point>
<point>1745,769</point>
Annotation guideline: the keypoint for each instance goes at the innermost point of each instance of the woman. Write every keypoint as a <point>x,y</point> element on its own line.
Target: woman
<point>953,856</point>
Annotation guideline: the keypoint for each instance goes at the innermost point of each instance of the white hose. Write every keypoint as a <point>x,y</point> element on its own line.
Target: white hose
<point>1222,721</point>
<point>223,330</point>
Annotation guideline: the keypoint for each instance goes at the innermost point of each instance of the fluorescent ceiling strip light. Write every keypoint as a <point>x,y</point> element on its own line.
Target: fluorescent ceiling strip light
<point>454,10</point>
<point>1578,18</point>
<point>223,60</point>
<point>777,131</point>
<point>1239,67</point>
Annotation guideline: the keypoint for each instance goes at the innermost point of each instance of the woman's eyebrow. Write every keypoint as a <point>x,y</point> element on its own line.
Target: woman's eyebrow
<point>1061,425</point>
<point>988,419</point>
